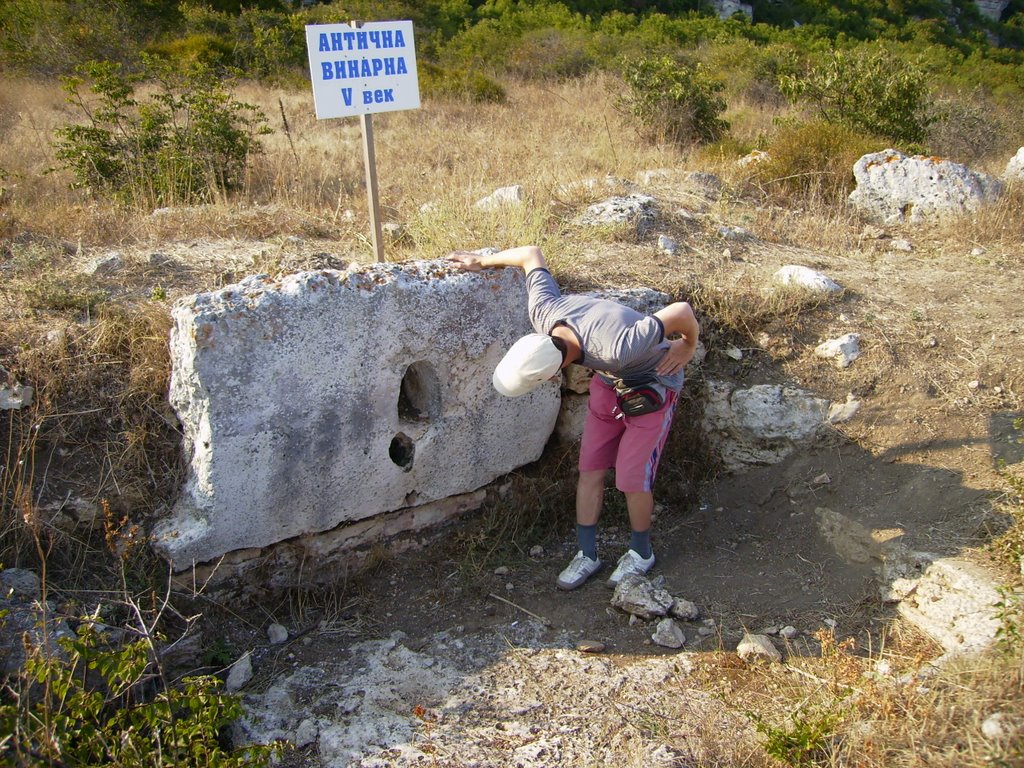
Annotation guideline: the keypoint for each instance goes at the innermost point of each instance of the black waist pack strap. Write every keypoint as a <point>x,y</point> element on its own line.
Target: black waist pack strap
<point>639,399</point>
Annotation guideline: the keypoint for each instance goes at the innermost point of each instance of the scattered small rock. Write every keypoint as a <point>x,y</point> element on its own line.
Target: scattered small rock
<point>805,277</point>
<point>239,674</point>
<point>306,733</point>
<point>590,646</point>
<point>1014,170</point>
<point>842,412</point>
<point>501,570</point>
<point>754,157</point>
<point>841,351</point>
<point>668,634</point>
<point>637,596</point>
<point>789,632</point>
<point>667,245</point>
<point>15,397</point>
<point>754,647</point>
<point>1001,726</point>
<point>512,195</point>
<point>107,264</point>
<point>392,230</point>
<point>639,211</point>
<point>685,610</point>
<point>733,352</point>
<point>277,634</point>
<point>736,234</point>
<point>900,244</point>
<point>20,582</point>
<point>536,551</point>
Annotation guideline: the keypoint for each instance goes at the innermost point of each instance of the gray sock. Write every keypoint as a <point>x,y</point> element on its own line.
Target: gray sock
<point>640,542</point>
<point>586,536</point>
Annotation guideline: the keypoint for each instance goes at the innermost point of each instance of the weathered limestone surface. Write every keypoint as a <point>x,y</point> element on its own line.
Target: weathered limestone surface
<point>328,397</point>
<point>893,187</point>
<point>761,424</point>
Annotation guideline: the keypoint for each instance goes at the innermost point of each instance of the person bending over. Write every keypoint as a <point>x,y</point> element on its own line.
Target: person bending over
<point>639,373</point>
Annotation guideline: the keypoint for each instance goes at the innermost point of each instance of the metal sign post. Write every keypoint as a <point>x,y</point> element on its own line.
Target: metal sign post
<point>360,69</point>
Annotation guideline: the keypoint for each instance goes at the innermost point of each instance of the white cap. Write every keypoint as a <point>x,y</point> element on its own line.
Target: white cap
<point>528,363</point>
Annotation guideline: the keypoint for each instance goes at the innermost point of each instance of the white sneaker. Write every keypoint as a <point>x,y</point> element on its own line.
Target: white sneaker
<point>578,571</point>
<point>630,564</point>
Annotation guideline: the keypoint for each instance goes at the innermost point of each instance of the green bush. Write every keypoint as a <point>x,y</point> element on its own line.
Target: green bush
<point>674,101</point>
<point>507,31</point>
<point>874,92</point>
<point>552,54</point>
<point>54,36</point>
<point>188,140</point>
<point>967,130</point>
<point>88,706</point>
<point>812,161</point>
<point>205,49</point>
<point>459,85</point>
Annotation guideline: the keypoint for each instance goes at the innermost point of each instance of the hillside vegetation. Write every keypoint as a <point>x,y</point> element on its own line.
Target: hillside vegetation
<point>160,127</point>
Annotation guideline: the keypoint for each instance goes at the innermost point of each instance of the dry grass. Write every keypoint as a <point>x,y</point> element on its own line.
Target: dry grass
<point>100,424</point>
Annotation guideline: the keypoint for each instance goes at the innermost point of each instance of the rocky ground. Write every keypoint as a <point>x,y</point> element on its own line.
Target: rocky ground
<point>428,665</point>
<point>437,658</point>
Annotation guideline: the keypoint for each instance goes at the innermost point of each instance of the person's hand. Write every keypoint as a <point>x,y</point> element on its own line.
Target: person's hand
<point>466,260</point>
<point>678,354</point>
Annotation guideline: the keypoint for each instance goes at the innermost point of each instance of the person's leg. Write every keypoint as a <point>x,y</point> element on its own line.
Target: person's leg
<point>641,509</point>
<point>598,448</point>
<point>590,496</point>
<point>635,468</point>
<point>589,500</point>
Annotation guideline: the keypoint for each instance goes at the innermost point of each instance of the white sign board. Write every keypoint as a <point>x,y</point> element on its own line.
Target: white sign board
<point>359,71</point>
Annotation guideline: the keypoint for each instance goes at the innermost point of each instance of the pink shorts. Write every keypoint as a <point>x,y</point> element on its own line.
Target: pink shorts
<point>631,445</point>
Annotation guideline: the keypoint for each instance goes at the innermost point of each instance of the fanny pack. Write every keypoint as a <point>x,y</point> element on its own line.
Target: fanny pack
<point>639,399</point>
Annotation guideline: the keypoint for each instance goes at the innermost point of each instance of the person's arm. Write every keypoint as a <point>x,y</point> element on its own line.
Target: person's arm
<point>678,318</point>
<point>527,257</point>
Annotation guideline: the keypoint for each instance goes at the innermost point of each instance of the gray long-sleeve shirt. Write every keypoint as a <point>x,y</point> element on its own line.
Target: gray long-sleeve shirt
<point>615,339</point>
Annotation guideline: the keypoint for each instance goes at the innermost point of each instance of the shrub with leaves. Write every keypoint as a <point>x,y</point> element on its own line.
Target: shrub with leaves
<point>812,161</point>
<point>874,92</point>
<point>673,100</point>
<point>458,85</point>
<point>185,142</point>
<point>91,705</point>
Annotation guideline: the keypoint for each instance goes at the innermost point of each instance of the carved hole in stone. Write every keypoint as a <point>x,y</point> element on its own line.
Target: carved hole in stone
<point>402,450</point>
<point>419,398</point>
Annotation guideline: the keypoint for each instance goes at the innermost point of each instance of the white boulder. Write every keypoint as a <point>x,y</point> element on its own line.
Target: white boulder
<point>757,648</point>
<point>841,351</point>
<point>805,277</point>
<point>761,424</point>
<point>1015,168</point>
<point>639,211</point>
<point>893,187</point>
<point>501,197</point>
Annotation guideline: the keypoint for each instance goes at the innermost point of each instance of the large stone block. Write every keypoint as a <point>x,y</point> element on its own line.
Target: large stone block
<point>326,397</point>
